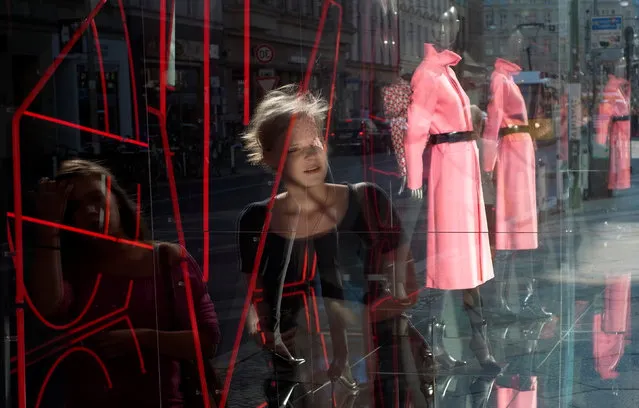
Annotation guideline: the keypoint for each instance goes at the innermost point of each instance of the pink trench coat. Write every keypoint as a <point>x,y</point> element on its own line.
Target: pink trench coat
<point>457,248</point>
<point>513,157</point>
<point>610,129</point>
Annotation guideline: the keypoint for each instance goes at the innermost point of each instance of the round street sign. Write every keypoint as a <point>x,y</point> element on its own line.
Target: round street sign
<point>264,53</point>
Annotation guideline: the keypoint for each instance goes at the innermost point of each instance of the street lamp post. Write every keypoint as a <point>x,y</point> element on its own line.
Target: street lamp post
<point>574,112</point>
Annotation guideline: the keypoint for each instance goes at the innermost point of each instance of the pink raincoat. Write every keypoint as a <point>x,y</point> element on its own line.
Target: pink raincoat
<point>513,397</point>
<point>513,156</point>
<point>458,249</point>
<point>613,126</point>
<point>396,101</point>
<point>611,329</point>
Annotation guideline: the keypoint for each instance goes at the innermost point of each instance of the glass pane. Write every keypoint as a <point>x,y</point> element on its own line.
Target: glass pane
<point>318,203</point>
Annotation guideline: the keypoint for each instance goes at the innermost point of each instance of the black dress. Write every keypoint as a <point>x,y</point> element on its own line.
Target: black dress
<point>354,249</point>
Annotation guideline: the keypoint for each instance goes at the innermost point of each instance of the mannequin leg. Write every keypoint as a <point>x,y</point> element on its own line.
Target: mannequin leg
<point>522,364</point>
<point>531,309</point>
<point>503,275</point>
<point>479,339</point>
<point>397,138</point>
<point>435,331</point>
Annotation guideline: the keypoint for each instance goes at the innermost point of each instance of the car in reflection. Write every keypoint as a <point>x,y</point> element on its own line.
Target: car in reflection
<point>385,129</point>
<point>354,134</point>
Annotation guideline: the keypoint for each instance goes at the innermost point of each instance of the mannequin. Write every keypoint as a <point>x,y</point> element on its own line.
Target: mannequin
<point>613,127</point>
<point>458,249</point>
<point>396,100</point>
<point>510,152</point>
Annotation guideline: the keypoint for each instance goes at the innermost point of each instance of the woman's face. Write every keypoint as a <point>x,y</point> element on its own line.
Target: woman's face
<point>92,206</point>
<point>306,160</point>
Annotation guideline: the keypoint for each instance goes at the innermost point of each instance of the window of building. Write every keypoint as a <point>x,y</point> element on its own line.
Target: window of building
<point>548,17</point>
<point>489,19</point>
<point>413,41</point>
<point>503,19</point>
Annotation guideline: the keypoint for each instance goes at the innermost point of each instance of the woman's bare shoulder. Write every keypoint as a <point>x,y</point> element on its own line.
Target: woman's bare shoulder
<point>340,189</point>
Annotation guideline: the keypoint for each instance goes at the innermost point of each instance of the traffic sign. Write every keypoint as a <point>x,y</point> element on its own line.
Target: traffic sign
<point>264,53</point>
<point>606,32</point>
<point>268,83</point>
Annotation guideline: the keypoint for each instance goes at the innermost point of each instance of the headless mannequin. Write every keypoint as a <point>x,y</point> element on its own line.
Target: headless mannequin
<point>512,154</point>
<point>613,127</point>
<point>445,33</point>
<point>439,123</point>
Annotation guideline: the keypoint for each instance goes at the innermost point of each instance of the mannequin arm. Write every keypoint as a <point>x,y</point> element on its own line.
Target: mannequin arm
<point>494,119</point>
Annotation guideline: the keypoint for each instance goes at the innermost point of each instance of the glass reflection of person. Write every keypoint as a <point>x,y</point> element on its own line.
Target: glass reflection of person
<point>309,218</point>
<point>65,271</point>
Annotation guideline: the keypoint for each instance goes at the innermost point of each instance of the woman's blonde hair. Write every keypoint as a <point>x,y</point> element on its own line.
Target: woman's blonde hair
<point>274,114</point>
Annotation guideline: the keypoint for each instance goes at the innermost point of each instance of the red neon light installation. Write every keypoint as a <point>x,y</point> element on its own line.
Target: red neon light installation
<point>331,98</point>
<point>138,210</point>
<point>247,70</point>
<point>76,230</point>
<point>107,206</point>
<point>134,88</point>
<point>17,194</point>
<point>97,329</point>
<point>276,184</point>
<point>206,143</point>
<point>84,311</point>
<point>62,358</point>
<point>161,114</point>
<point>98,50</point>
<point>307,315</point>
<point>84,128</point>
<point>21,294</point>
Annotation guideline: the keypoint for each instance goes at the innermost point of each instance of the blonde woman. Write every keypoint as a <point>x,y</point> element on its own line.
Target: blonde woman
<point>342,226</point>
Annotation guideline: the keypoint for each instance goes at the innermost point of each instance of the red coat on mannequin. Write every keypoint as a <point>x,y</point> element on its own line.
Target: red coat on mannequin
<point>512,154</point>
<point>613,126</point>
<point>458,248</point>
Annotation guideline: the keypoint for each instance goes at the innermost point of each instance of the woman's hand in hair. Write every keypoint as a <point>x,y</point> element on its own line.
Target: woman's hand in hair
<point>51,199</point>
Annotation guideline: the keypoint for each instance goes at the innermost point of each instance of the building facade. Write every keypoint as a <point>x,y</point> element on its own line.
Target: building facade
<point>282,38</point>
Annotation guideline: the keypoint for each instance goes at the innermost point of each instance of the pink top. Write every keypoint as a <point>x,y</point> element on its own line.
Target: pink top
<point>148,308</point>
<point>614,103</point>
<point>507,107</point>
<point>439,105</point>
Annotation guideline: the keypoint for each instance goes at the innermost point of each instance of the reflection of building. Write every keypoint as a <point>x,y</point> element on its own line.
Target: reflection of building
<point>184,98</point>
<point>281,38</point>
<point>24,53</point>
<point>501,19</point>
<point>390,37</point>
<point>587,10</point>
<point>74,92</point>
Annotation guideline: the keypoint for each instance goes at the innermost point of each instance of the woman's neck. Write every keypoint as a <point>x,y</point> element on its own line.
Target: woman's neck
<point>308,199</point>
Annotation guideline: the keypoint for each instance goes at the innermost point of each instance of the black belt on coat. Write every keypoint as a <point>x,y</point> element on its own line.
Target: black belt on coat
<point>514,129</point>
<point>620,118</point>
<point>452,137</point>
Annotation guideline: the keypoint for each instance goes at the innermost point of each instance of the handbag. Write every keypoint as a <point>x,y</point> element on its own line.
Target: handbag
<point>189,374</point>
